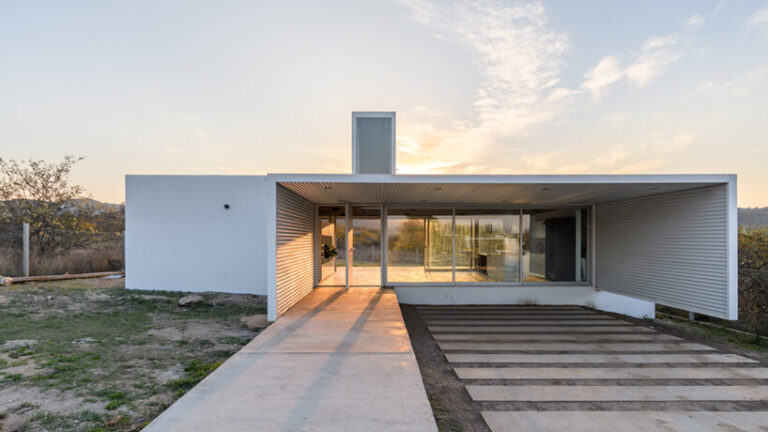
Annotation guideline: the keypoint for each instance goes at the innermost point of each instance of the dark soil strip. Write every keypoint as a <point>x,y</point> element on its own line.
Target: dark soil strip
<point>453,408</point>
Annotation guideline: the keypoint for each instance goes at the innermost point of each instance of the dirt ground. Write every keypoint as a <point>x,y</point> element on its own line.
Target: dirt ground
<point>453,408</point>
<point>88,355</point>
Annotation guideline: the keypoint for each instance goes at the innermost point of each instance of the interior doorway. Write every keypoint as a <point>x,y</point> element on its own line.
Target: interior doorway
<point>365,254</point>
<point>332,246</point>
<point>350,246</point>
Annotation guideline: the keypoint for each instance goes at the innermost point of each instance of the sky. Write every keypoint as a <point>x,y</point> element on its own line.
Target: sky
<point>492,87</point>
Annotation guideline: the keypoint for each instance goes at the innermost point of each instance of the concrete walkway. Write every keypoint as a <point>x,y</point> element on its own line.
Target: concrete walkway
<point>337,361</point>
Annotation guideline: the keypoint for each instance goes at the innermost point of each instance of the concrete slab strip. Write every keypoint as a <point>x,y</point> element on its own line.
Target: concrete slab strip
<point>575,337</point>
<point>470,323</point>
<point>611,373</point>
<point>509,312</point>
<point>612,421</point>
<point>568,393</point>
<point>550,329</point>
<point>501,309</point>
<point>597,358</point>
<point>565,346</point>
<point>514,317</point>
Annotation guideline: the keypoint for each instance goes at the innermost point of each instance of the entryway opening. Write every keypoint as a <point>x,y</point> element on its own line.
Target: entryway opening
<point>350,246</point>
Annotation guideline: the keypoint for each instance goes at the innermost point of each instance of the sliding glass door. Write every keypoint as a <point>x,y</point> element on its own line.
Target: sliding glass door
<point>365,267</point>
<point>487,246</point>
<point>478,246</point>
<point>419,245</point>
<point>452,245</point>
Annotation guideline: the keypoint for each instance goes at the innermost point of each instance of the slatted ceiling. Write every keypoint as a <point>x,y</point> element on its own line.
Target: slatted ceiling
<point>670,249</point>
<point>476,193</point>
<point>295,248</point>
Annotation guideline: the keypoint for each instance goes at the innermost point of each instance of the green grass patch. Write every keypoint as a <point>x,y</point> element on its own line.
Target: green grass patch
<point>14,377</point>
<point>443,415</point>
<point>721,334</point>
<point>195,371</point>
<point>116,399</point>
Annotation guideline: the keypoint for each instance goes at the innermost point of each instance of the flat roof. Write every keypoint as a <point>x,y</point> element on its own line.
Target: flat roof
<point>489,189</point>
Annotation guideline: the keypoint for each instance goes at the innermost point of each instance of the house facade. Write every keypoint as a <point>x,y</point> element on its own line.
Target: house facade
<point>620,243</point>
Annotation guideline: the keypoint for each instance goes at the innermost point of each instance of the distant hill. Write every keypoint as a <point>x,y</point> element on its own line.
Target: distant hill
<point>98,216</point>
<point>753,217</point>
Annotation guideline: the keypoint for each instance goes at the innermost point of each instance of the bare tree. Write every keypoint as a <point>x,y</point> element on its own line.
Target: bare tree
<point>42,194</point>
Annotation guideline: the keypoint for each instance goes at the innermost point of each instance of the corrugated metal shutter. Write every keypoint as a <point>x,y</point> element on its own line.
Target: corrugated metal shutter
<point>295,220</point>
<point>671,249</point>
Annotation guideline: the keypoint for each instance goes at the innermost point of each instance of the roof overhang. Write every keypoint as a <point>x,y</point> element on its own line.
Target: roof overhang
<point>488,189</point>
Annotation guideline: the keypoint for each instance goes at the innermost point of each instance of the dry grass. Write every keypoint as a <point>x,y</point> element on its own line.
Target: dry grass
<point>86,260</point>
<point>78,261</point>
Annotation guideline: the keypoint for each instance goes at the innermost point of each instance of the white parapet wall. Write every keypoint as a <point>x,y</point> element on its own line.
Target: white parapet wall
<point>196,233</point>
<point>538,295</point>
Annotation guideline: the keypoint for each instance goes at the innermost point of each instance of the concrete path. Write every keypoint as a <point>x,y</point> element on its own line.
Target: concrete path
<point>589,371</point>
<point>337,361</point>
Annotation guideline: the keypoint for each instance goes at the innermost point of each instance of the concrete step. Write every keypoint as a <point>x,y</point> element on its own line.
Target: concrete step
<point>624,421</point>
<point>529,329</point>
<point>614,393</point>
<point>554,336</point>
<point>597,358</point>
<point>611,373</point>
<point>514,317</point>
<point>564,346</point>
<point>469,323</point>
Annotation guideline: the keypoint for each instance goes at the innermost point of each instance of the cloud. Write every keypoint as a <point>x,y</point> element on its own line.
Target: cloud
<point>695,20</point>
<point>607,72</point>
<point>655,57</point>
<point>171,149</point>
<point>740,86</point>
<point>668,142</point>
<point>757,19</point>
<point>614,118</point>
<point>538,162</point>
<point>520,60</point>
<point>643,167</point>
<point>616,154</point>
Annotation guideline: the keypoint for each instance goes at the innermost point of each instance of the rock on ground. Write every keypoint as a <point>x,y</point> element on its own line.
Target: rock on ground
<point>254,321</point>
<point>18,343</point>
<point>191,300</point>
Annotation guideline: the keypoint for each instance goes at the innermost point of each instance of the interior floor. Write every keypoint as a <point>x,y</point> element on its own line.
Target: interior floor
<point>371,276</point>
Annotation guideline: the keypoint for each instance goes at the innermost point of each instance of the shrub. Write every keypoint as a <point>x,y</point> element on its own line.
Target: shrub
<point>753,279</point>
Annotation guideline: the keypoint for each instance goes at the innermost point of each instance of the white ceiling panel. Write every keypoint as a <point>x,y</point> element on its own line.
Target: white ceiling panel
<point>454,191</point>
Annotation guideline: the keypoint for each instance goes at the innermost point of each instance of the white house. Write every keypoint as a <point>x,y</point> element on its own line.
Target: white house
<point>619,243</point>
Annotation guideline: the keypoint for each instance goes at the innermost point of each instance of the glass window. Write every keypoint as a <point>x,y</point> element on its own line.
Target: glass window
<point>554,245</point>
<point>419,245</point>
<point>332,248</point>
<point>366,242</point>
<point>487,246</point>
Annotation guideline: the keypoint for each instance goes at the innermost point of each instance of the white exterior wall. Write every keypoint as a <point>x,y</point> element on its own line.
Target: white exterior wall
<point>179,236</point>
<point>540,295</point>
<point>677,249</point>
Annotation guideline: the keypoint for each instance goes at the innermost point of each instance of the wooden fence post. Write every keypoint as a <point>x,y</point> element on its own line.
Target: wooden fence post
<point>25,249</point>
